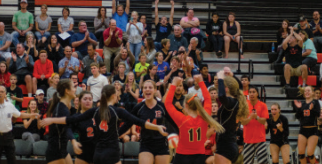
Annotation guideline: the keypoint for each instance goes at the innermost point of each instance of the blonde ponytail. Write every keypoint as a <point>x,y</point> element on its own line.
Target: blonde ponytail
<point>243,111</point>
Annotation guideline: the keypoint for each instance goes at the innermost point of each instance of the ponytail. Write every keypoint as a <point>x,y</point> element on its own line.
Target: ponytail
<point>61,87</point>
<point>243,106</point>
<point>107,92</point>
<point>53,104</point>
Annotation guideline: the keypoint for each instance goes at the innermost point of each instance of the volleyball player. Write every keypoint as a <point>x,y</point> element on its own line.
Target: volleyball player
<point>193,126</point>
<point>277,125</point>
<point>153,146</point>
<point>233,107</point>
<point>307,112</point>
<point>105,121</point>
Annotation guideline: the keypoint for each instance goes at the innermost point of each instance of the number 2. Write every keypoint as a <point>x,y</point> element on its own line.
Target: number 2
<point>90,132</point>
<point>104,126</point>
<point>198,131</point>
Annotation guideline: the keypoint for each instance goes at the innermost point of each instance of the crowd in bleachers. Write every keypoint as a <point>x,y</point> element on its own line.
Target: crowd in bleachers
<point>121,51</point>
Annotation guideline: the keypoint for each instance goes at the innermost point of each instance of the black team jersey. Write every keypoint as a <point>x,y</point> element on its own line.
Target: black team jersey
<point>85,130</point>
<point>307,115</point>
<point>277,135</point>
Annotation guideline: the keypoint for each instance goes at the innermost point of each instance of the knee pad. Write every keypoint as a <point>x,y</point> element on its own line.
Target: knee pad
<point>301,156</point>
<point>275,163</point>
<point>311,156</point>
<point>288,163</point>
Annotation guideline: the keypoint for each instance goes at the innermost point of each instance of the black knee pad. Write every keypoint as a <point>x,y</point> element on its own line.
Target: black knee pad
<point>275,163</point>
<point>301,156</point>
<point>288,163</point>
<point>311,156</point>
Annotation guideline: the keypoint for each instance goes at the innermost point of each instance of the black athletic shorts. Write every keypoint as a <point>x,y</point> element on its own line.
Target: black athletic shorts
<point>54,153</point>
<point>310,62</point>
<point>88,152</point>
<point>155,149</point>
<point>308,132</point>
<point>228,149</point>
<point>280,143</point>
<point>189,159</point>
<point>106,156</point>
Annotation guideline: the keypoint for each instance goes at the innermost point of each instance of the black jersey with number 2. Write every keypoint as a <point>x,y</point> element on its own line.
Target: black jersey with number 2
<point>308,114</point>
<point>85,130</point>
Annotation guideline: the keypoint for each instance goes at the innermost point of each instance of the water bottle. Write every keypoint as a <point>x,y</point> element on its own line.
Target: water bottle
<point>273,47</point>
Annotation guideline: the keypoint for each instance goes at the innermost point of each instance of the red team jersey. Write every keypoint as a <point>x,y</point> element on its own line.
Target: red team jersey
<point>212,139</point>
<point>192,131</point>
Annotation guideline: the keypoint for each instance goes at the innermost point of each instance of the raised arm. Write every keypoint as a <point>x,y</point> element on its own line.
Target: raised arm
<point>287,39</point>
<point>205,93</point>
<point>171,13</point>
<point>299,39</point>
<point>113,7</point>
<point>127,8</point>
<point>156,12</point>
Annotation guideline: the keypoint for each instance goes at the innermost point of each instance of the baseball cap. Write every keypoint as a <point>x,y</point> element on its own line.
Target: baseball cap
<point>24,1</point>
<point>302,18</point>
<point>39,91</point>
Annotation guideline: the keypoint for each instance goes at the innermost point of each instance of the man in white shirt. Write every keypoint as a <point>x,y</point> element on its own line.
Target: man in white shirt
<point>96,83</point>
<point>7,111</point>
<point>196,89</point>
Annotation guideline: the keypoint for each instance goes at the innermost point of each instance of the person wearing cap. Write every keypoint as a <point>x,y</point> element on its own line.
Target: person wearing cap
<point>316,26</point>
<point>7,111</point>
<point>42,105</point>
<point>303,25</point>
<point>22,22</point>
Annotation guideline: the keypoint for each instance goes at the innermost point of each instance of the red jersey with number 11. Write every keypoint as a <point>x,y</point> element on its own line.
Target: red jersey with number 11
<point>192,131</point>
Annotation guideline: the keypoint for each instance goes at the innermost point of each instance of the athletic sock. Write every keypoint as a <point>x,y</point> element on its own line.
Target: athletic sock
<point>29,94</point>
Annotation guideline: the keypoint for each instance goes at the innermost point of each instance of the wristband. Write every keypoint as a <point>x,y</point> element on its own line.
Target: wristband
<point>257,117</point>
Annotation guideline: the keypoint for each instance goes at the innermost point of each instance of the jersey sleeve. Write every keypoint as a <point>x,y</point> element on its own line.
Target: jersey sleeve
<point>69,133</point>
<point>206,96</point>
<point>316,109</point>
<point>222,93</point>
<point>130,118</point>
<point>177,116</point>
<point>299,112</point>
<point>128,124</point>
<point>78,118</point>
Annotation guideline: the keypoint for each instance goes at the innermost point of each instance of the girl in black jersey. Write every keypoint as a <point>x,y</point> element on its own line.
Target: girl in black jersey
<point>105,120</point>
<point>233,107</point>
<point>59,135</point>
<point>153,146</point>
<point>277,125</point>
<point>307,112</point>
<point>85,130</point>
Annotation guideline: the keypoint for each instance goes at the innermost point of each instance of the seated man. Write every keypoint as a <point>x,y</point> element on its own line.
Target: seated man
<point>176,39</point>
<point>21,65</point>
<point>207,78</point>
<point>88,60</point>
<point>316,24</point>
<point>96,83</point>
<point>81,39</point>
<point>196,90</point>
<point>292,46</point>
<point>22,22</point>
<point>303,25</point>
<point>43,69</point>
<point>245,80</point>
<point>189,23</point>
<point>5,42</point>
<point>195,53</point>
<point>68,64</point>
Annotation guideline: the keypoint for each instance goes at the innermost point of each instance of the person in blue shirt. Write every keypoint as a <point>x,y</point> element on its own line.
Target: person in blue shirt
<point>68,64</point>
<point>120,15</point>
<point>316,28</point>
<point>162,65</point>
<point>81,39</point>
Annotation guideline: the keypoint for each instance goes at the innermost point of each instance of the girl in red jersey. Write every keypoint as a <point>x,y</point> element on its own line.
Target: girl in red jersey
<point>193,126</point>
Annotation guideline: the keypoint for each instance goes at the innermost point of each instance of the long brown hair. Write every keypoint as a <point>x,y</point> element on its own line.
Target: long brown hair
<point>81,95</point>
<point>107,92</point>
<point>195,105</point>
<point>234,91</point>
<point>281,30</point>
<point>7,69</point>
<point>61,87</point>
<point>150,43</point>
<point>28,109</point>
<point>134,85</point>
<point>227,20</point>
<point>99,16</point>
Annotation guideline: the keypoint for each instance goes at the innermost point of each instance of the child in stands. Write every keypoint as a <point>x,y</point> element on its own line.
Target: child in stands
<point>14,93</point>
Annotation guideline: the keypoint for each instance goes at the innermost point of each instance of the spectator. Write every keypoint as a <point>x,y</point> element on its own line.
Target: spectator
<point>5,42</point>
<point>214,31</point>
<point>190,25</point>
<point>292,47</point>
<point>43,69</point>
<point>131,92</point>
<point>186,63</point>
<point>96,83</point>
<point>304,25</point>
<point>176,39</point>
<point>21,66</point>
<point>112,44</point>
<point>127,57</point>
<point>315,25</point>
<point>167,55</point>
<point>282,33</point>
<point>101,23</point>
<point>68,64</point>
<point>309,56</point>
<point>43,26</point>
<point>30,47</point>
<point>103,70</point>
<point>41,104</point>
<point>232,30</point>
<point>74,78</point>
<point>196,90</point>
<point>31,125</point>
<point>207,78</point>
<point>195,53</point>
<point>151,75</point>
<point>148,49</point>
<point>141,67</point>
<point>88,60</point>
<point>163,28</point>
<point>254,129</point>
<point>120,76</point>
<point>55,51</point>
<point>134,29</point>
<point>174,70</point>
<point>121,16</point>
<point>146,28</point>
<point>4,74</point>
<point>14,93</point>
<point>162,65</point>
<point>245,80</point>
<point>53,88</point>
<point>214,98</point>
<point>65,24</point>
<point>178,99</point>
<point>81,39</point>
<point>118,87</point>
<point>22,22</point>
<point>215,85</point>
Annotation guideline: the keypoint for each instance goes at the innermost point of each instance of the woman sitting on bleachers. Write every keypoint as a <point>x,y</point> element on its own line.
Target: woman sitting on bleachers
<point>4,74</point>
<point>65,24</point>
<point>190,25</point>
<point>55,51</point>
<point>131,92</point>
<point>167,55</point>
<point>43,26</point>
<point>32,125</point>
<point>148,49</point>
<point>282,33</point>
<point>214,30</point>
<point>309,56</point>
<point>232,30</point>
<point>125,56</point>
<point>30,46</point>
<point>101,23</point>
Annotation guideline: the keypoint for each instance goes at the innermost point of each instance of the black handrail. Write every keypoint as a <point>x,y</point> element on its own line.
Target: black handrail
<point>263,93</point>
<point>250,69</point>
<point>239,53</point>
